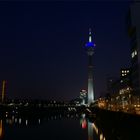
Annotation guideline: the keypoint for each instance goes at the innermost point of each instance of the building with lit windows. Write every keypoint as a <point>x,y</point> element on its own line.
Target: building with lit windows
<point>125,72</point>
<point>119,92</point>
<point>133,23</point>
<point>83,96</point>
<point>116,85</point>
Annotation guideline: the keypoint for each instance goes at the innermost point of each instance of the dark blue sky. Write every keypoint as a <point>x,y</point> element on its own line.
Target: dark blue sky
<point>41,45</point>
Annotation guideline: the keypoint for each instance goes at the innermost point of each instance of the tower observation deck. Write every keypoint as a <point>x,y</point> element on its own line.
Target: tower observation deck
<point>89,47</point>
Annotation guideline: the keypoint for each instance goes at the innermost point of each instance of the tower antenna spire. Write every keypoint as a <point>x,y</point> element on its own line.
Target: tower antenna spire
<point>90,37</point>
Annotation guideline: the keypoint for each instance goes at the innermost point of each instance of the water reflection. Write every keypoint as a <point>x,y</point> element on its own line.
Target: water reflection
<point>83,121</point>
<point>94,133</point>
<point>90,131</point>
<point>1,129</point>
<point>98,132</point>
<point>94,128</point>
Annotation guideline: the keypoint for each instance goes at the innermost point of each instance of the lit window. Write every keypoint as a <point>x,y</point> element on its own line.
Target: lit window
<point>122,71</point>
<point>132,55</point>
<point>135,52</point>
<point>127,71</point>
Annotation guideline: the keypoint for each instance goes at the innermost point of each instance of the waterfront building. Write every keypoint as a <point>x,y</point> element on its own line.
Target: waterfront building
<point>133,23</point>
<point>115,85</point>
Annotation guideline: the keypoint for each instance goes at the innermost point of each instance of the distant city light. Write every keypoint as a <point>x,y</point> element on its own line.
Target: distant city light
<point>19,120</point>
<point>26,122</point>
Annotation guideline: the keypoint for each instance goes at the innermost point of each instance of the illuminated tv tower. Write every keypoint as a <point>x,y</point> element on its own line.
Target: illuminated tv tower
<point>90,50</point>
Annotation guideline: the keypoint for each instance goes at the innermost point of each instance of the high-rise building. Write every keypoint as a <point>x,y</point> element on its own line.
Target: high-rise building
<point>83,96</point>
<point>89,47</point>
<point>123,82</point>
<point>110,83</point>
<point>133,22</point>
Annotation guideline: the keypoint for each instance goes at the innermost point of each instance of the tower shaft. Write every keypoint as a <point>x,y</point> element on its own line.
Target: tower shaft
<point>90,79</point>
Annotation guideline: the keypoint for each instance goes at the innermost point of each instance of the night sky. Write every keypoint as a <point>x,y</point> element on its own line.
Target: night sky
<point>42,46</point>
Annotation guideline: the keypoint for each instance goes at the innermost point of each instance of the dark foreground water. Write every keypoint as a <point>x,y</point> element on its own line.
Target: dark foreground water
<point>70,127</point>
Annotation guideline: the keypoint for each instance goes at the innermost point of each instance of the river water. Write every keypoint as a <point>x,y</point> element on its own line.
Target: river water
<point>70,127</point>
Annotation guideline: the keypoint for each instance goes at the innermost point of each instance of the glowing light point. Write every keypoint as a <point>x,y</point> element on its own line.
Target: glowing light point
<point>90,39</point>
<point>26,122</point>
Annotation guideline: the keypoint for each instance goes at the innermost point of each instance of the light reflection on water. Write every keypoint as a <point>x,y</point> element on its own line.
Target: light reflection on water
<point>1,129</point>
<point>18,127</point>
<point>62,127</point>
<point>92,130</point>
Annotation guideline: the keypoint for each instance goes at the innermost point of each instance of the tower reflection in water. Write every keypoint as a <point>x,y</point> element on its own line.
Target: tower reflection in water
<point>90,131</point>
<point>93,131</point>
